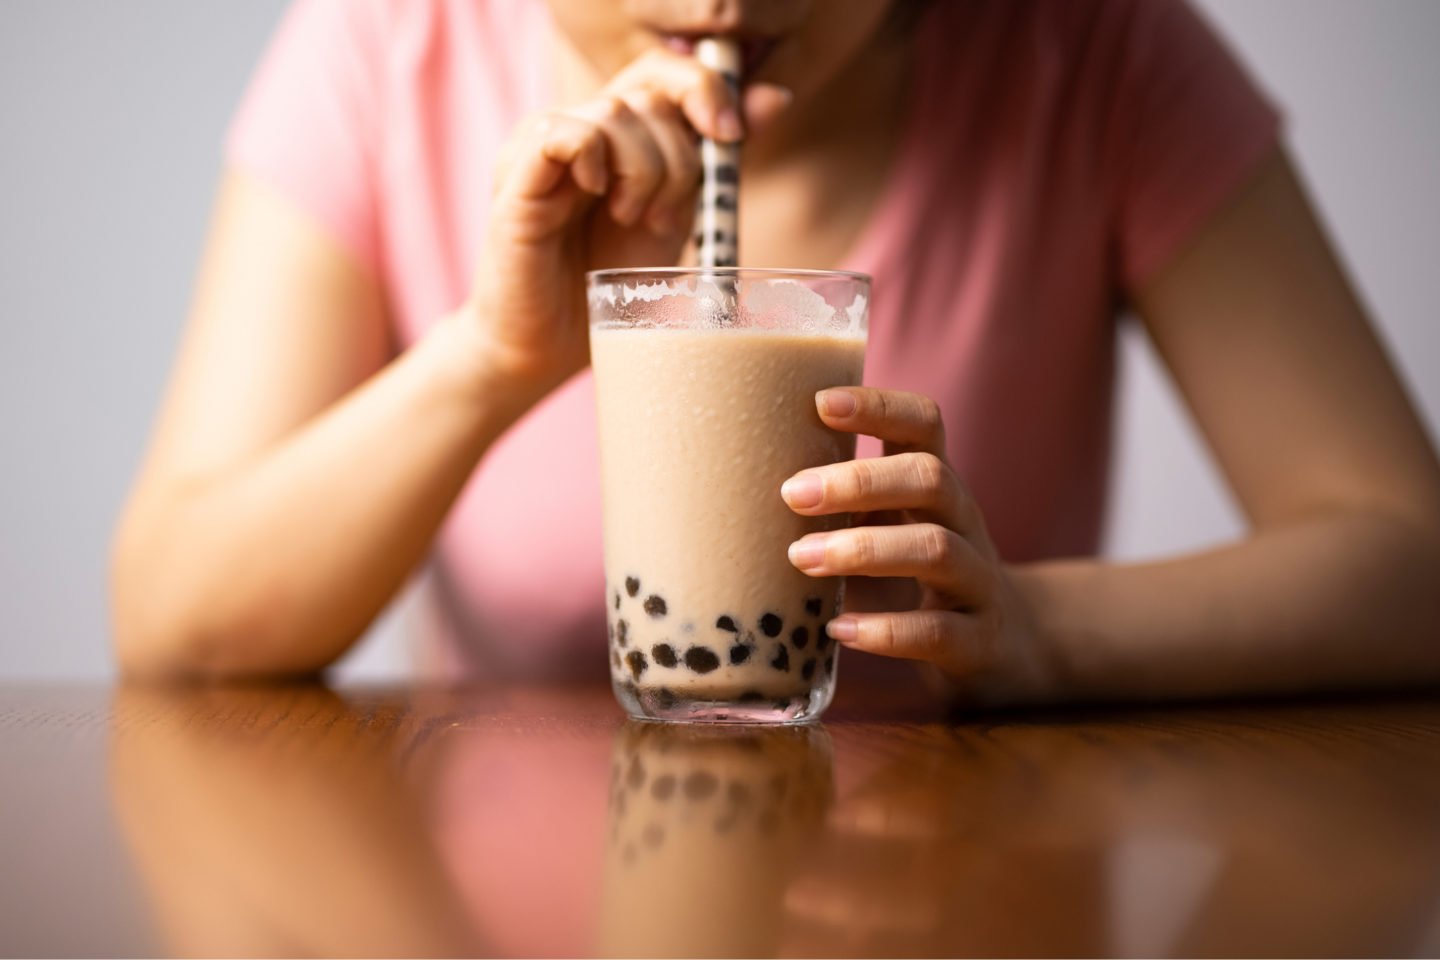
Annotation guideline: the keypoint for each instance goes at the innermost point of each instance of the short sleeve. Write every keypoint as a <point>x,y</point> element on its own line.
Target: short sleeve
<point>1187,129</point>
<point>310,121</point>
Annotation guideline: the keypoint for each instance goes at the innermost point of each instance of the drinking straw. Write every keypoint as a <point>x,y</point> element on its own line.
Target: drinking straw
<point>717,235</point>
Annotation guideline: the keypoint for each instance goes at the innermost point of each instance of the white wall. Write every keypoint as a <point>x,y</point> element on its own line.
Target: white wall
<point>110,120</point>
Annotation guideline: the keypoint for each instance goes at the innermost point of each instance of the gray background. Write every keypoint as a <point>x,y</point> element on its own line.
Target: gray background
<point>111,115</point>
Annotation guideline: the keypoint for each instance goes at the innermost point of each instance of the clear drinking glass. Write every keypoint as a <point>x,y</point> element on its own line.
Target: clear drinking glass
<point>705,384</point>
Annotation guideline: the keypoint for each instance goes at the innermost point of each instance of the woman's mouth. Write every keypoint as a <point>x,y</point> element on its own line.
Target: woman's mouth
<point>754,51</point>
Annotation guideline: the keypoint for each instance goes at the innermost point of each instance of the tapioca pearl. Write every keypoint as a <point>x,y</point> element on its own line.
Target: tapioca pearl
<point>665,697</point>
<point>771,625</point>
<point>664,655</point>
<point>822,639</point>
<point>781,661</point>
<point>813,606</point>
<point>622,632</point>
<point>700,784</point>
<point>727,624</point>
<point>751,696</point>
<point>637,663</point>
<point>615,659</point>
<point>663,787</point>
<point>617,599</point>
<point>655,605</point>
<point>632,586</point>
<point>635,776</point>
<point>653,835</point>
<point>701,659</point>
<point>800,636</point>
<point>808,670</point>
<point>738,655</point>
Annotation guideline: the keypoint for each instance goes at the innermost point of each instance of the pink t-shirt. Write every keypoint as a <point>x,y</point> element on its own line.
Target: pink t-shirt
<point>1054,157</point>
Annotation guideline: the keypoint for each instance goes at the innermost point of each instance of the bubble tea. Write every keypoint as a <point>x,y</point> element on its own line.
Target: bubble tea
<point>705,385</point>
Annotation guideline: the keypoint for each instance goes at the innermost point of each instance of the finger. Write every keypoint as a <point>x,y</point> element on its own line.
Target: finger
<point>919,482</point>
<point>762,104</point>
<point>635,162</point>
<point>956,642</point>
<point>904,421</point>
<point>555,144</point>
<point>673,204</point>
<point>700,93</point>
<point>937,557</point>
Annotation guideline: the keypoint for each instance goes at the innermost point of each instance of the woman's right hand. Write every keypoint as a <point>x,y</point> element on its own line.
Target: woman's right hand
<point>608,183</point>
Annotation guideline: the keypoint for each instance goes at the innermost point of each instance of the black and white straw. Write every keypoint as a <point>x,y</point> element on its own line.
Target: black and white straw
<point>717,231</point>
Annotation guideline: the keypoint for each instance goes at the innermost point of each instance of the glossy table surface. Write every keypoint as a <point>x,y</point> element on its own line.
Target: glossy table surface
<point>303,820</point>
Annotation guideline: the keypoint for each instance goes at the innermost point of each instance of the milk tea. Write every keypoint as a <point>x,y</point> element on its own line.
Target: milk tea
<point>698,429</point>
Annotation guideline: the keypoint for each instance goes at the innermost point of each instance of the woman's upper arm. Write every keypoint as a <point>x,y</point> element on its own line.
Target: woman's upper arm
<point>284,321</point>
<point>1277,361</point>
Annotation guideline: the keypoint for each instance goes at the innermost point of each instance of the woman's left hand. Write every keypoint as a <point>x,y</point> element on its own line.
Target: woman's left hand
<point>925,580</point>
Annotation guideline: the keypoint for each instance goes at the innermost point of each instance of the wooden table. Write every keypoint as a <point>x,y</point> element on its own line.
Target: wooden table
<point>303,820</point>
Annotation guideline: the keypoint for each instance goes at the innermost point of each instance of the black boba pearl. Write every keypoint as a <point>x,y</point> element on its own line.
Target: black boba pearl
<point>637,663</point>
<point>781,661</point>
<point>664,655</point>
<point>665,697</point>
<point>822,639</point>
<point>615,659</point>
<point>617,599</point>
<point>700,785</point>
<point>739,654</point>
<point>727,624</point>
<point>808,670</point>
<point>622,632</point>
<point>701,659</point>
<point>812,606</point>
<point>771,625</point>
<point>655,605</point>
<point>632,587</point>
<point>800,636</point>
<point>751,696</point>
<point>663,787</point>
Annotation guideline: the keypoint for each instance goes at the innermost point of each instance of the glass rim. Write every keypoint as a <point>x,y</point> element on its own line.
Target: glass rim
<point>621,274</point>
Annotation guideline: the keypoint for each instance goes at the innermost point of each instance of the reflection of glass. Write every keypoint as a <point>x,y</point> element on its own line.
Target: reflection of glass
<point>707,825</point>
<point>705,386</point>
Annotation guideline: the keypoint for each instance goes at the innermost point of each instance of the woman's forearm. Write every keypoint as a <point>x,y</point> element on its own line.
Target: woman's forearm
<point>278,566</point>
<point>1341,600</point>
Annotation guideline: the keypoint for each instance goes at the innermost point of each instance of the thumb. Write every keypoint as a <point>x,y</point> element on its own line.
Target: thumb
<point>762,104</point>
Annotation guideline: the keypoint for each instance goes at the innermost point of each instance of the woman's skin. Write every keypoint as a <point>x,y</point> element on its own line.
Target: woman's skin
<point>269,526</point>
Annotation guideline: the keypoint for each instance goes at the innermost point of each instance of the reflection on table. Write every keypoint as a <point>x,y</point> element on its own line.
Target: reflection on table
<point>299,820</point>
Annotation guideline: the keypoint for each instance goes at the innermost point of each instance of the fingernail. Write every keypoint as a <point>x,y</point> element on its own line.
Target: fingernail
<point>803,490</point>
<point>837,403</point>
<point>808,552</point>
<point>842,629</point>
<point>727,122</point>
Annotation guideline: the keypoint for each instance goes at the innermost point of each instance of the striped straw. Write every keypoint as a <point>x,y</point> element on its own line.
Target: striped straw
<point>717,232</point>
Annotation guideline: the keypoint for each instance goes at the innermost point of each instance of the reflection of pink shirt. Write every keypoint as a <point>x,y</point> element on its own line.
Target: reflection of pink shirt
<point>1056,155</point>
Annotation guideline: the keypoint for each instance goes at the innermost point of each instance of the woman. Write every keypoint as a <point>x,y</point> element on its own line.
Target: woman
<point>389,324</point>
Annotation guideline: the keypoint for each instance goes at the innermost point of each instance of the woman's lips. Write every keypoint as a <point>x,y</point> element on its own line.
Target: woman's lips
<point>754,51</point>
